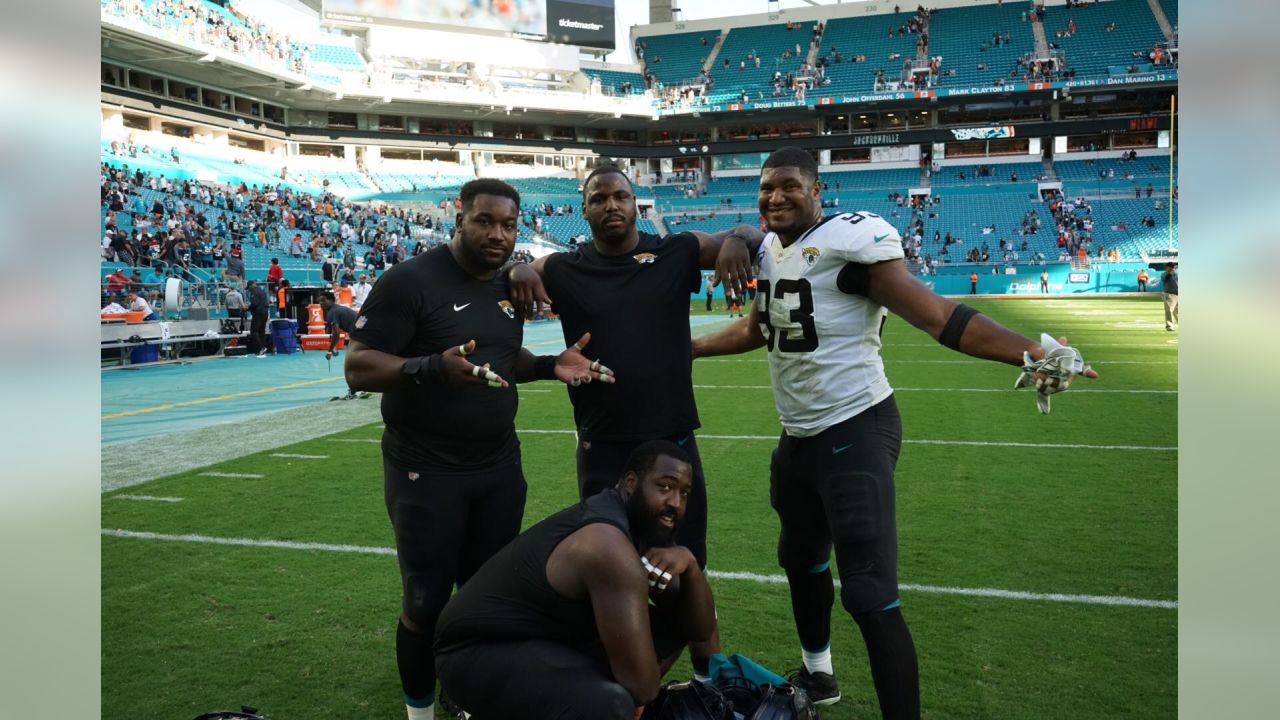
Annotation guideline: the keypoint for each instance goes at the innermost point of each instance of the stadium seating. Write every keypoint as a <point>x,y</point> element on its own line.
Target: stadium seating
<point>949,175</point>
<point>963,37</point>
<point>867,36</point>
<point>769,42</point>
<point>1088,172</point>
<point>1091,50</point>
<point>678,57</point>
<point>337,55</point>
<point>611,81</point>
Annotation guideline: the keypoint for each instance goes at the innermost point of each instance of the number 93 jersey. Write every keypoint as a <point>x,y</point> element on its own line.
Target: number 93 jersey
<point>822,332</point>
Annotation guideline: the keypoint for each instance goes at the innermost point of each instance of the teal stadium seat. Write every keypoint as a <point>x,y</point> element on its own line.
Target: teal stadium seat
<point>681,55</point>
<point>868,36</point>
<point>963,37</point>
<point>1092,50</point>
<point>611,81</point>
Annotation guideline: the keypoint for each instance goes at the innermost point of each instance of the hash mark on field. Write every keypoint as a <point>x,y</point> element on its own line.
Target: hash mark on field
<point>979,443</point>
<point>212,473</point>
<point>148,498</point>
<point>300,456</point>
<point>716,574</point>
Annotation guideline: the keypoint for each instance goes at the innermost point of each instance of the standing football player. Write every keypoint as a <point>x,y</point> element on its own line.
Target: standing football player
<point>826,285</point>
<point>442,343</point>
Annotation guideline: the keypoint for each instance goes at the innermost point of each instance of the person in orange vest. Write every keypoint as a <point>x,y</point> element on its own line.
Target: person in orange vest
<point>282,297</point>
<point>973,283</point>
<point>1142,280</point>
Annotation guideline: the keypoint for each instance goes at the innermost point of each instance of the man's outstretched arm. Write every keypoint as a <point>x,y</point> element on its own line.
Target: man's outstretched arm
<point>742,336</point>
<point>957,326</point>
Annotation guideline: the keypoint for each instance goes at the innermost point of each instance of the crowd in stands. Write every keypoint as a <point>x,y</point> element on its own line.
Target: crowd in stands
<point>180,228</point>
<point>199,22</point>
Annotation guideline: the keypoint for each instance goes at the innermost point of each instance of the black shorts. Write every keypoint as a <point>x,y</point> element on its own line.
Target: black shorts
<point>836,488</point>
<point>447,526</point>
<point>600,464</point>
<point>535,679</point>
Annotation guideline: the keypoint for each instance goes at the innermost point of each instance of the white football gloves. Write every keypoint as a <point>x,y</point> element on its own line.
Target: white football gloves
<point>1060,366</point>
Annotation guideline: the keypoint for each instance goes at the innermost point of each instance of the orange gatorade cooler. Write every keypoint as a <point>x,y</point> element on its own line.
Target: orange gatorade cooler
<point>315,320</point>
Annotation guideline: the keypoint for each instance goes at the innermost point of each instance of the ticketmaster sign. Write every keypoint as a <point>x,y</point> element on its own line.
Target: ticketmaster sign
<point>586,23</point>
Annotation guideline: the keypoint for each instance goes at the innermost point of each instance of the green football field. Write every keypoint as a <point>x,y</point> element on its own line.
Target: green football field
<point>1038,553</point>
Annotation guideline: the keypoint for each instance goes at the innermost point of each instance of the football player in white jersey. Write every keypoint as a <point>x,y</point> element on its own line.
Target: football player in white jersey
<point>826,285</point>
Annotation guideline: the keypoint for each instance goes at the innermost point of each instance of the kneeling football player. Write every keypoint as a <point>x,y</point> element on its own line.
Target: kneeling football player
<point>580,615</point>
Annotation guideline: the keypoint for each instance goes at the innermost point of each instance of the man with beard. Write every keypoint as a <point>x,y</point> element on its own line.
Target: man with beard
<point>439,338</point>
<point>632,290</point>
<point>826,286</point>
<point>580,616</point>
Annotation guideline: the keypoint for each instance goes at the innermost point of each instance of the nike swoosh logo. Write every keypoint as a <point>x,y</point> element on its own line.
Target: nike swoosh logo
<point>838,450</point>
<point>878,238</point>
<point>456,308</point>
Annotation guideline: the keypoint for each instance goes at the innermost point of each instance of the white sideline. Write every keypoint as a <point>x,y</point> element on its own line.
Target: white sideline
<point>213,473</point>
<point>149,498</point>
<point>976,443</point>
<point>714,574</point>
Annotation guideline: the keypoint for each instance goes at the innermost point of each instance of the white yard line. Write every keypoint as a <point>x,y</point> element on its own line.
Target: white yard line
<point>213,473</point>
<point>300,456</point>
<point>147,498</point>
<point>975,361</point>
<point>977,443</point>
<point>1077,391</point>
<point>714,574</point>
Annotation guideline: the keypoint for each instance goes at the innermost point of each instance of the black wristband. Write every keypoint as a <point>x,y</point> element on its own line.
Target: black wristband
<point>421,370</point>
<point>544,367</point>
<point>954,329</point>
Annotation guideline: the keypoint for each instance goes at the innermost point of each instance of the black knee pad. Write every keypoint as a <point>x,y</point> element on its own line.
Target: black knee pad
<point>865,593</point>
<point>610,701</point>
<point>422,603</point>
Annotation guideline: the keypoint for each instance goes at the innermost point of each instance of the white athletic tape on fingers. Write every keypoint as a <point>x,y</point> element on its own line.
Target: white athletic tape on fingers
<point>595,366</point>
<point>462,349</point>
<point>575,382</point>
<point>666,577</point>
<point>476,370</point>
<point>577,347</point>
